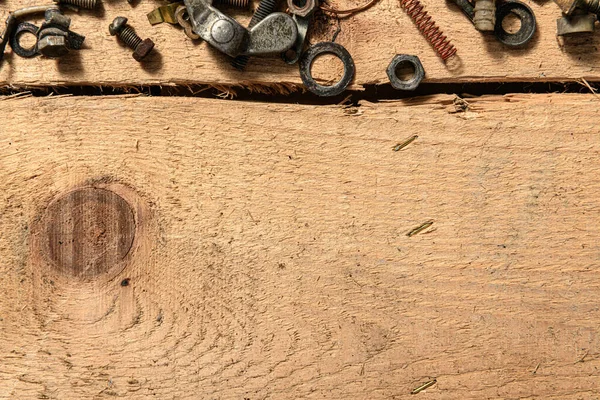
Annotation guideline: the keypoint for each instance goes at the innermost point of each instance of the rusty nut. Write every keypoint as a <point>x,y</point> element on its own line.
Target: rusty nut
<point>302,11</point>
<point>143,49</point>
<point>405,84</point>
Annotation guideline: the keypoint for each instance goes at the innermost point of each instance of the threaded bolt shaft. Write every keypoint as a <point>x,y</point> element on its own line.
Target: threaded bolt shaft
<point>87,4</point>
<point>129,37</point>
<point>265,7</point>
<point>593,6</point>
<point>234,3</point>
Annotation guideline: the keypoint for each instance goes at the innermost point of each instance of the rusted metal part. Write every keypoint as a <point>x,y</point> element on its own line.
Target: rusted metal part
<point>141,48</point>
<point>13,20</point>
<point>574,24</point>
<point>183,18</point>
<point>55,39</point>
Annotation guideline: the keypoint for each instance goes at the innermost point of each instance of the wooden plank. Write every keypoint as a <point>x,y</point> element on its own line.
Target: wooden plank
<point>372,37</point>
<point>271,259</point>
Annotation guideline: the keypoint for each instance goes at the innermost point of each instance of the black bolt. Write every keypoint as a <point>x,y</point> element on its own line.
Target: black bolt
<point>265,7</point>
<point>87,4</point>
<point>141,48</point>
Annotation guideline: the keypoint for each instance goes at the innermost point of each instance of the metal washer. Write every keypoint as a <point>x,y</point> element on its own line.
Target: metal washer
<point>22,28</point>
<point>326,48</point>
<point>528,23</point>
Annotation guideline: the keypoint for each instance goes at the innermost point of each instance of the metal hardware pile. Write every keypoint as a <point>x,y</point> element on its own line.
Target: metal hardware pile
<point>271,32</point>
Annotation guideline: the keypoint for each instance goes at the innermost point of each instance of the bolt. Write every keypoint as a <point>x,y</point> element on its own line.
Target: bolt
<point>141,48</point>
<point>569,6</point>
<point>265,7</point>
<point>485,15</point>
<point>87,4</point>
<point>222,31</point>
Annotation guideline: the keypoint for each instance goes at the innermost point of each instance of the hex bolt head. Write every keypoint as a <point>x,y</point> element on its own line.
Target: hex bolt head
<point>143,49</point>
<point>117,25</point>
<point>414,81</point>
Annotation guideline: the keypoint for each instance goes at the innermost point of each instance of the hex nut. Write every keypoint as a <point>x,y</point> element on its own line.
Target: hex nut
<point>143,50</point>
<point>414,81</point>
<point>53,46</point>
<point>309,8</point>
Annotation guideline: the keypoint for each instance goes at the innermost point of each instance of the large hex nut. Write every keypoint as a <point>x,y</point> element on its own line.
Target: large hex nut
<point>414,81</point>
<point>309,7</point>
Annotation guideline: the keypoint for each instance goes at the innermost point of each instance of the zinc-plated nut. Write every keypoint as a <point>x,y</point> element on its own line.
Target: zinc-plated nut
<point>141,48</point>
<point>306,10</point>
<point>414,81</point>
<point>53,46</point>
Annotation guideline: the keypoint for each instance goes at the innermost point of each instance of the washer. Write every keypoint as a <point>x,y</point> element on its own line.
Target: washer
<point>306,63</point>
<point>528,23</point>
<point>22,28</point>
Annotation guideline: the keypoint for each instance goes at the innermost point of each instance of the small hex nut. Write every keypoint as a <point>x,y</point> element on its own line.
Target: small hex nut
<point>53,46</point>
<point>143,50</point>
<point>414,81</point>
<point>306,10</point>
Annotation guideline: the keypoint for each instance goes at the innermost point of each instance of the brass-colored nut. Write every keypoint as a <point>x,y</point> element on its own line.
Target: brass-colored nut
<point>306,10</point>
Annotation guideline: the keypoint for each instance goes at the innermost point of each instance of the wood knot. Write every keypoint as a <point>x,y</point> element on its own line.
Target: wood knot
<point>88,231</point>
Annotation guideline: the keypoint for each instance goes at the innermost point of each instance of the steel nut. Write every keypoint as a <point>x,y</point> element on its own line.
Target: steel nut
<point>53,46</point>
<point>143,49</point>
<point>405,84</point>
<point>309,7</point>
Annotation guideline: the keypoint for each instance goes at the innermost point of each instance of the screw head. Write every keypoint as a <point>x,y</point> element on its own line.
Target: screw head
<point>117,25</point>
<point>143,49</point>
<point>222,31</point>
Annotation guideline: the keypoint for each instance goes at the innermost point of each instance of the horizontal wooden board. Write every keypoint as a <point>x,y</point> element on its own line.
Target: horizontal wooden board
<point>372,37</point>
<point>272,256</point>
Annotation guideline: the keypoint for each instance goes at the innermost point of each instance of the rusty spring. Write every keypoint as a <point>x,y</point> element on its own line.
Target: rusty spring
<point>441,44</point>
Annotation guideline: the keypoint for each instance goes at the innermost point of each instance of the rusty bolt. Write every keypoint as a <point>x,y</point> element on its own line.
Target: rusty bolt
<point>141,48</point>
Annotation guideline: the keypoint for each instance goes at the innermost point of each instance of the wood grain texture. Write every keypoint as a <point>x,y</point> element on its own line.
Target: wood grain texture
<point>372,37</point>
<point>274,262</point>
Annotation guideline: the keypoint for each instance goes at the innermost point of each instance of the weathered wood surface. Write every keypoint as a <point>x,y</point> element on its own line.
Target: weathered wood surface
<point>372,37</point>
<point>271,256</point>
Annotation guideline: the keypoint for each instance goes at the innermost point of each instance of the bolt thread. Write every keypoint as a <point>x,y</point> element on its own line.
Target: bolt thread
<point>593,6</point>
<point>87,4</point>
<point>129,37</point>
<point>234,3</point>
<point>265,7</point>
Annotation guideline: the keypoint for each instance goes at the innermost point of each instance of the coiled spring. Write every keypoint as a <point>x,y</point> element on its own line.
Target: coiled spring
<point>440,43</point>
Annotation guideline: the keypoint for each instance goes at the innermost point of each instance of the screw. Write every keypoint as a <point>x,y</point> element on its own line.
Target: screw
<point>141,48</point>
<point>265,7</point>
<point>569,6</point>
<point>87,4</point>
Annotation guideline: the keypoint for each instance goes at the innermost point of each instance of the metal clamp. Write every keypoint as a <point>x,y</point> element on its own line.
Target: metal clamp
<point>276,33</point>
